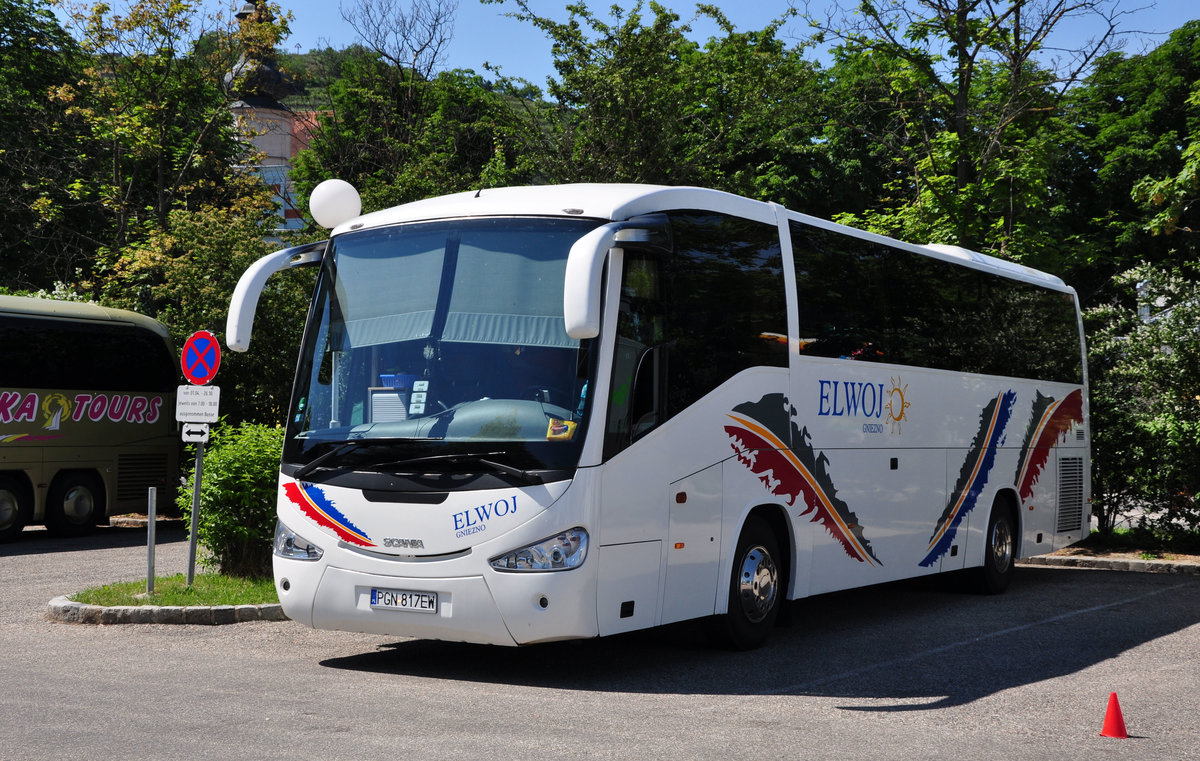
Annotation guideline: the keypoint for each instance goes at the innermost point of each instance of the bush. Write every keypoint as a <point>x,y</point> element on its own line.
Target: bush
<point>1144,365</point>
<point>237,498</point>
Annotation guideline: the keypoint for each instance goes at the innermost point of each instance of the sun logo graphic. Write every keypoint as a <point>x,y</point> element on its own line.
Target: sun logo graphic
<point>897,406</point>
<point>55,407</point>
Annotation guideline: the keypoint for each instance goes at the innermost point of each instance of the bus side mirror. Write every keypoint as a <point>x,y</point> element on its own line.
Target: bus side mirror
<point>244,302</point>
<point>585,267</point>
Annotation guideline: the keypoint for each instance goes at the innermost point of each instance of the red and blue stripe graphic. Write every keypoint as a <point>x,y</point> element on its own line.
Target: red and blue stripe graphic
<point>973,476</point>
<point>1051,421</point>
<point>314,503</point>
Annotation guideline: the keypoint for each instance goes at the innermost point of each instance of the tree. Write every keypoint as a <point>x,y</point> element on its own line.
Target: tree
<point>46,228</point>
<point>370,135</point>
<point>637,100</point>
<point>1144,363</point>
<point>1135,121</point>
<point>177,212</point>
<point>395,127</point>
<point>184,275</point>
<point>157,115</point>
<point>979,95</point>
<point>1173,198</point>
<point>412,40</point>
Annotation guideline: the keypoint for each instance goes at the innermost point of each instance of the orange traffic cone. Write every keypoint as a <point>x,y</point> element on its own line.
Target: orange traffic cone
<point>1114,722</point>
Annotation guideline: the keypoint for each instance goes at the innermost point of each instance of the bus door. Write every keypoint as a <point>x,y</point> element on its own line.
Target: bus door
<point>693,545</point>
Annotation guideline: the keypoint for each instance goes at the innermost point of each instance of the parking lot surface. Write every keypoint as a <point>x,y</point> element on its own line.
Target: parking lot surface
<point>915,670</point>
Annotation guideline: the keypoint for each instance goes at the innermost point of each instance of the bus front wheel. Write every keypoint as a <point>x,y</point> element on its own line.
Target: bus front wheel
<point>15,508</point>
<point>755,589</point>
<point>74,504</point>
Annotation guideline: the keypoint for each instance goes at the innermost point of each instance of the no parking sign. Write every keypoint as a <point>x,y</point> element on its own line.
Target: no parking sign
<point>201,357</point>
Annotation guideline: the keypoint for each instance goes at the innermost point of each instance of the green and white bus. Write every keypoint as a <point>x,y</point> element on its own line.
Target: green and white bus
<point>86,422</point>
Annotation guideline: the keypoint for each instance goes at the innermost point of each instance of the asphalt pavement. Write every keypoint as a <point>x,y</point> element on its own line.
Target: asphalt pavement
<point>915,670</point>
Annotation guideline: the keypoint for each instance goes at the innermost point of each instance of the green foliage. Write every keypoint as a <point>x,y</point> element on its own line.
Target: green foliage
<point>937,121</point>
<point>40,166</point>
<point>637,100</point>
<point>237,498</point>
<point>155,121</point>
<point>1145,402</point>
<point>398,136</point>
<point>184,275</point>
<point>1173,199</point>
<point>1137,132</point>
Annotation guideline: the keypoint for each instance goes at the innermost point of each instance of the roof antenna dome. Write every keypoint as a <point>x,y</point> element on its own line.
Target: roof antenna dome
<point>334,202</point>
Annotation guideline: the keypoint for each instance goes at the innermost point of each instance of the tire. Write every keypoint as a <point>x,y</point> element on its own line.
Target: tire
<point>755,589</point>
<point>75,503</point>
<point>15,508</point>
<point>999,552</point>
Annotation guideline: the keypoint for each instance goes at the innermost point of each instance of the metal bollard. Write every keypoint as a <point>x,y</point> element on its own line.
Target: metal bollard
<point>151,525</point>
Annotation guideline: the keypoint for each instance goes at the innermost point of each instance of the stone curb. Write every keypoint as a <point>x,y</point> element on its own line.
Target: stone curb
<point>1113,564</point>
<point>133,520</point>
<point>68,611</point>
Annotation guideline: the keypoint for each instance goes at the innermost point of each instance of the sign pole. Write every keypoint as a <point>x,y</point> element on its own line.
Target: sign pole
<point>197,403</point>
<point>191,569</point>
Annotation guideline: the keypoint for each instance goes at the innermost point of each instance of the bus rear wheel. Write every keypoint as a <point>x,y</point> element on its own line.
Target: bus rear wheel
<point>74,504</point>
<point>755,589</point>
<point>999,553</point>
<point>15,508</point>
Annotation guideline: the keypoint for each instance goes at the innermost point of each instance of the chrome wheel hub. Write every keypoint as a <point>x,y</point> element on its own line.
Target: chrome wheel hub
<point>757,584</point>
<point>1002,546</point>
<point>77,504</point>
<point>8,509</point>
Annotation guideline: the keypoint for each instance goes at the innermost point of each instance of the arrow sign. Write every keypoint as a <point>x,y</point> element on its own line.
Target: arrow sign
<point>201,357</point>
<point>195,433</point>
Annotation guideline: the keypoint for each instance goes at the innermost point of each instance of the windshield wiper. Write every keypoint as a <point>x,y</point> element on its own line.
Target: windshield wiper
<point>338,449</point>
<point>527,476</point>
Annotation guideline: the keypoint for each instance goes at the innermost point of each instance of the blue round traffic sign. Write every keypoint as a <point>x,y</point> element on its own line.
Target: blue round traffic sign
<point>201,357</point>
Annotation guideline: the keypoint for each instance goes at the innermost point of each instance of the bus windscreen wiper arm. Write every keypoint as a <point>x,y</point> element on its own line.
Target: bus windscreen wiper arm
<point>527,476</point>
<point>339,448</point>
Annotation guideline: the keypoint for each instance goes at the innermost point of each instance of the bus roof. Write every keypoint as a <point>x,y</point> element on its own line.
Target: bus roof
<point>619,202</point>
<point>594,200</point>
<point>78,311</point>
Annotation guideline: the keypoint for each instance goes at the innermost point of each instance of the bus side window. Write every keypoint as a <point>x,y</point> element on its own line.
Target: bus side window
<point>639,327</point>
<point>692,318</point>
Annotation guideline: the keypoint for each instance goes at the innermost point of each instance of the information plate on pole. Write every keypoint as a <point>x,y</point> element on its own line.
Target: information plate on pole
<point>201,357</point>
<point>197,404</point>
<point>195,433</point>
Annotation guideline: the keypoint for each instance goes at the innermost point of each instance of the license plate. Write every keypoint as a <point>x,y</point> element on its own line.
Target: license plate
<point>400,599</point>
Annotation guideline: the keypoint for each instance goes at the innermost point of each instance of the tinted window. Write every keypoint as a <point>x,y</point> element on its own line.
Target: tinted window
<point>39,353</point>
<point>866,301</point>
<point>694,317</point>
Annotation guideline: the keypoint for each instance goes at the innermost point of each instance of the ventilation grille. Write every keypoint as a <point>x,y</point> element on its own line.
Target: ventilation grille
<point>1070,494</point>
<point>138,472</point>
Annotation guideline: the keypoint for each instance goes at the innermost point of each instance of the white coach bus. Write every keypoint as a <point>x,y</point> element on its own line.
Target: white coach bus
<point>540,413</point>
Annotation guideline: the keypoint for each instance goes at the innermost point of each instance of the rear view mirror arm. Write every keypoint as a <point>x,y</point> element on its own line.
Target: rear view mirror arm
<point>244,301</point>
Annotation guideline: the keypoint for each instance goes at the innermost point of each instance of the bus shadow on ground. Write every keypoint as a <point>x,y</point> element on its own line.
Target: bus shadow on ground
<point>916,645</point>
<point>35,540</point>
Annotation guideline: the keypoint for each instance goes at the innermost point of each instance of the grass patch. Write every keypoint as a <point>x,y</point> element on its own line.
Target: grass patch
<point>207,589</point>
<point>1143,540</point>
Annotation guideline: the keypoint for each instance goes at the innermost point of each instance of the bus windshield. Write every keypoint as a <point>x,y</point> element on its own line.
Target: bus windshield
<point>433,341</point>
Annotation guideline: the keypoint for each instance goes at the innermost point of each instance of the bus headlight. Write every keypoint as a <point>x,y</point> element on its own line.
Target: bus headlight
<point>289,544</point>
<point>556,553</point>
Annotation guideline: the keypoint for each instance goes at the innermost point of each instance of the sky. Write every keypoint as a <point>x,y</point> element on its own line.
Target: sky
<point>483,34</point>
